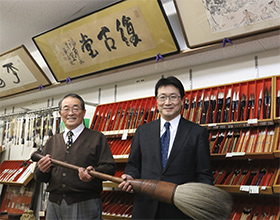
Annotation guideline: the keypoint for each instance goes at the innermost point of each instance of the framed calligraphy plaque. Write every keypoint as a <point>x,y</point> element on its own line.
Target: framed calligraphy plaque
<point>123,33</point>
<point>208,22</point>
<point>20,72</point>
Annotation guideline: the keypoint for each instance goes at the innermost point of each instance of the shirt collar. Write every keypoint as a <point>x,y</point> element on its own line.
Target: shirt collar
<point>173,123</point>
<point>76,131</point>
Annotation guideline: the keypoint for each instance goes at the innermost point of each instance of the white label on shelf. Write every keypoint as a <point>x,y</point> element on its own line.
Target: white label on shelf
<point>234,154</point>
<point>212,125</point>
<point>244,188</point>
<point>263,188</point>
<point>124,135</point>
<point>253,121</point>
<point>254,190</point>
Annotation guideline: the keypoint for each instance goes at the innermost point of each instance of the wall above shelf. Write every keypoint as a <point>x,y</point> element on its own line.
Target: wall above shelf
<point>187,58</point>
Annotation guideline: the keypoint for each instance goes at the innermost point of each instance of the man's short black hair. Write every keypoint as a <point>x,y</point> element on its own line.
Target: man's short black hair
<point>171,80</point>
<point>73,95</point>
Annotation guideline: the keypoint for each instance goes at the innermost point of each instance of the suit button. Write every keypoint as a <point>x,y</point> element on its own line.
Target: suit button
<point>63,185</point>
<point>64,174</point>
<point>63,195</point>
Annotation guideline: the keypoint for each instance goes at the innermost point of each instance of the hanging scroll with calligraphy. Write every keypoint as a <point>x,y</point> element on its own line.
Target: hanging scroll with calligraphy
<point>123,33</point>
<point>19,72</point>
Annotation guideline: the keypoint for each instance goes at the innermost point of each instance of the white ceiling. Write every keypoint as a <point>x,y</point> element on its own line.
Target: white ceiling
<point>20,20</point>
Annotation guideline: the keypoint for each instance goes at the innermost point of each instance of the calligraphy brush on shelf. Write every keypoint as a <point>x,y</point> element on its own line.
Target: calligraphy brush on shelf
<point>197,200</point>
<point>199,109</point>
<point>212,108</point>
<point>242,107</point>
<point>249,107</point>
<point>259,104</point>
<point>186,107</point>
<point>277,103</point>
<point>237,105</point>
<point>233,106</point>
<point>265,103</point>
<point>205,110</point>
<point>253,105</point>
<point>269,103</point>
<point>227,106</point>
<point>220,106</point>
<point>193,106</point>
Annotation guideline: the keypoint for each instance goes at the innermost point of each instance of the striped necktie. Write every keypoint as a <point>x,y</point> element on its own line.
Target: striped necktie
<point>165,139</point>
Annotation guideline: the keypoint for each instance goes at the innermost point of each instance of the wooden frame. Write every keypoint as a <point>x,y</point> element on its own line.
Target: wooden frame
<point>206,22</point>
<point>20,72</point>
<point>120,34</point>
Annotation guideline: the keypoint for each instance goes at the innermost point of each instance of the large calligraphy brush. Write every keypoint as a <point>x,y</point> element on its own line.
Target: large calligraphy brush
<point>197,200</point>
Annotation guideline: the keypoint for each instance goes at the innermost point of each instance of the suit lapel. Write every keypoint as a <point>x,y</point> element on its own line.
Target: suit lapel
<point>154,140</point>
<point>182,133</point>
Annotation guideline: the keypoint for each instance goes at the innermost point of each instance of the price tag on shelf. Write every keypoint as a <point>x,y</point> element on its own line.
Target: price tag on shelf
<point>244,188</point>
<point>212,125</point>
<point>124,135</point>
<point>253,121</point>
<point>254,190</point>
<point>234,154</point>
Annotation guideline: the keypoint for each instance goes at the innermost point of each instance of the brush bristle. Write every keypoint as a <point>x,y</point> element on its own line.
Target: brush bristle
<point>203,201</point>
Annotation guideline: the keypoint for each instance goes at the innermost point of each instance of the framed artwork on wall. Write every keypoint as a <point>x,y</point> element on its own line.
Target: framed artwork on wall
<point>123,33</point>
<point>206,22</point>
<point>20,72</point>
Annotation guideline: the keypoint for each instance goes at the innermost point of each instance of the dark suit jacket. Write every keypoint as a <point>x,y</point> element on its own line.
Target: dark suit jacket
<point>189,161</point>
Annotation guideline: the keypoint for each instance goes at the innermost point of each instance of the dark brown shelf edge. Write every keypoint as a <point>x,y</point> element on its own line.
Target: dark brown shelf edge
<point>236,189</point>
<point>104,217</point>
<point>246,156</point>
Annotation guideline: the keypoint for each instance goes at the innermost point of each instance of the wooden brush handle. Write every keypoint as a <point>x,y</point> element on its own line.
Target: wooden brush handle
<point>36,157</point>
<point>160,190</point>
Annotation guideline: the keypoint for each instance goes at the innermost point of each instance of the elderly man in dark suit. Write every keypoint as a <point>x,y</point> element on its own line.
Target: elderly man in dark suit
<point>170,149</point>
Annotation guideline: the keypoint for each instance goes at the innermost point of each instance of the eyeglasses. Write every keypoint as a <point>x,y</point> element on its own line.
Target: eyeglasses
<point>67,110</point>
<point>172,98</point>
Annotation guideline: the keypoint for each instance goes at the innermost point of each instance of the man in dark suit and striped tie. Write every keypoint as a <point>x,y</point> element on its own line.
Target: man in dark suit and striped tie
<point>170,149</point>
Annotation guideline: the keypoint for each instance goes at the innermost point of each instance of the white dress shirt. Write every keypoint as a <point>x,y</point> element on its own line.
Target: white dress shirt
<point>173,130</point>
<point>76,133</point>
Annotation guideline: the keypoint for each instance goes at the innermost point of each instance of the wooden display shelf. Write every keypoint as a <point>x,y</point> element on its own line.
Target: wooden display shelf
<point>242,156</point>
<point>16,172</point>
<point>276,185</point>
<point>276,154</point>
<point>119,133</point>
<point>104,217</point>
<point>239,124</point>
<point>237,189</point>
<point>121,158</point>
